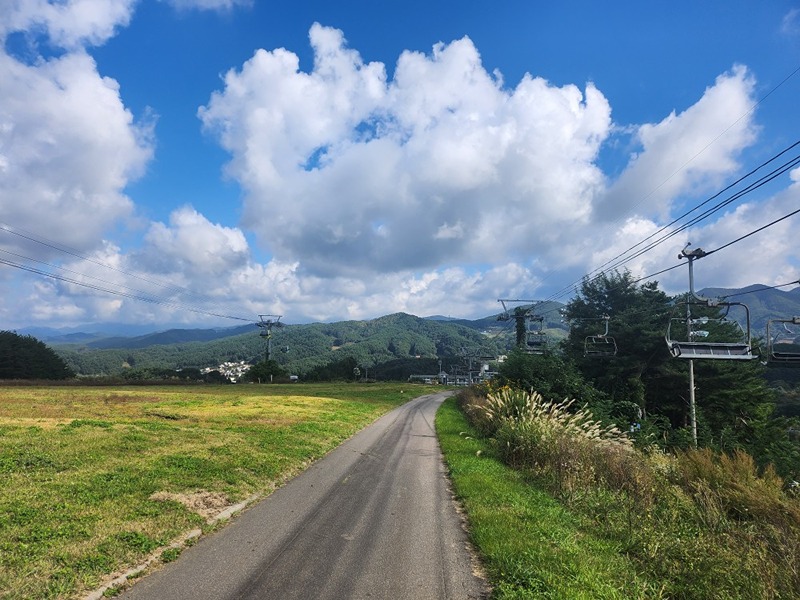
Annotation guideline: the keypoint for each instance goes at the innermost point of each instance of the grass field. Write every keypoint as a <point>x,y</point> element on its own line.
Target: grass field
<point>94,480</point>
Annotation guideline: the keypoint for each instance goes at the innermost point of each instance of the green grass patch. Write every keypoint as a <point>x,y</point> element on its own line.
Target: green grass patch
<point>532,546</point>
<point>695,525</point>
<point>93,479</point>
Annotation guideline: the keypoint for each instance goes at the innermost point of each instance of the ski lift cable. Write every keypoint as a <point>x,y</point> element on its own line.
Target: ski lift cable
<point>134,293</point>
<point>701,151</point>
<point>722,133</point>
<point>782,169</point>
<point>142,298</point>
<point>75,254</point>
<point>790,164</point>
<point>769,177</point>
<point>575,287</point>
<point>755,231</point>
<point>763,181</point>
<point>761,289</point>
<point>729,243</point>
<point>76,273</point>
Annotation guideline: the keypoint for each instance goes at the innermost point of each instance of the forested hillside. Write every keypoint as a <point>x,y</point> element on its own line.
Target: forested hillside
<point>300,348</point>
<point>25,357</point>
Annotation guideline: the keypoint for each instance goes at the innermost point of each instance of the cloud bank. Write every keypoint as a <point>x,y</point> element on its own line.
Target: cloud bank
<point>434,191</point>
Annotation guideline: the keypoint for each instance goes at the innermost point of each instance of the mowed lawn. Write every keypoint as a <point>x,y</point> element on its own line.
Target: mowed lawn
<point>95,479</point>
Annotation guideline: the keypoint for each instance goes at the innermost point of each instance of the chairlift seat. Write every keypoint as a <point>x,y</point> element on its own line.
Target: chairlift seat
<point>783,348</point>
<point>536,342</point>
<point>785,357</point>
<point>784,353</point>
<point>695,348</point>
<point>598,346</point>
<point>719,350</point>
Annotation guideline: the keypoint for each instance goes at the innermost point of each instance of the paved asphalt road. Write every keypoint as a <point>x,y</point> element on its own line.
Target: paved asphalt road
<point>373,519</point>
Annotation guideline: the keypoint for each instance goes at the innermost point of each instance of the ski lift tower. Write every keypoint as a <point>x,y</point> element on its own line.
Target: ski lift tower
<point>693,348</point>
<point>266,323</point>
<point>535,337</point>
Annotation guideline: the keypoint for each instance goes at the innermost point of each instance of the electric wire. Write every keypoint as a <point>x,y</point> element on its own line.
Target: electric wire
<point>755,231</point>
<point>609,265</point>
<point>722,133</point>
<point>759,183</point>
<point>169,287</point>
<point>135,294</point>
<point>149,299</point>
<point>621,259</point>
<point>684,165</point>
<point>761,289</point>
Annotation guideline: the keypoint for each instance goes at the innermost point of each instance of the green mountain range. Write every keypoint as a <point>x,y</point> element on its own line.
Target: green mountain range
<point>301,348</point>
<point>297,348</point>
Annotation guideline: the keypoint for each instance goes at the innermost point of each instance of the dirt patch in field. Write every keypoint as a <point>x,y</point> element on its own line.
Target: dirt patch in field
<point>206,504</point>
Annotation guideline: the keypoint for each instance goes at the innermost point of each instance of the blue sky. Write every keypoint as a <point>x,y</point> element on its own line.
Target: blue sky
<point>198,162</point>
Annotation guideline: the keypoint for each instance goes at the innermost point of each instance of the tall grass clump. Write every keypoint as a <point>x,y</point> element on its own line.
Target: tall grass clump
<point>562,443</point>
<point>705,524</point>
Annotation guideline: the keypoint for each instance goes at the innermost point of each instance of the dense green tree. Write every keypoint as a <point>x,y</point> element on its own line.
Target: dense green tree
<point>400,369</point>
<point>25,357</point>
<point>264,372</point>
<point>637,322</point>
<point>338,370</point>
<point>734,403</point>
<point>551,375</point>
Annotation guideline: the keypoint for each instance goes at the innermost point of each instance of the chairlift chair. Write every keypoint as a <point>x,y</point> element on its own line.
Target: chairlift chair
<point>695,342</point>
<point>783,346</point>
<point>536,340</point>
<point>601,345</point>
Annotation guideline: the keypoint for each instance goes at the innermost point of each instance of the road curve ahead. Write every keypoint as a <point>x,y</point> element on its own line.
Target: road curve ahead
<point>374,519</point>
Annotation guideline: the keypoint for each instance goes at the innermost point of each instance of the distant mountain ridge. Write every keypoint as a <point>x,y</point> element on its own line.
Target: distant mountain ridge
<point>298,348</point>
<point>97,340</point>
<point>171,336</point>
<point>397,336</point>
<point>763,303</point>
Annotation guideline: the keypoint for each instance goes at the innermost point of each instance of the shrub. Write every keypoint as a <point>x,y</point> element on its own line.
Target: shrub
<point>568,446</point>
<point>707,525</point>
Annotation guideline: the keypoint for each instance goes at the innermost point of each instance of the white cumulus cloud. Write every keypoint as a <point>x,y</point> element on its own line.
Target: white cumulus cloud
<point>69,23</point>
<point>192,245</point>
<point>68,146</point>
<point>453,166</point>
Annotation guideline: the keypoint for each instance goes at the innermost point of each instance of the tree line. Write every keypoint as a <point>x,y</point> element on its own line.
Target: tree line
<point>644,390</point>
<point>25,357</point>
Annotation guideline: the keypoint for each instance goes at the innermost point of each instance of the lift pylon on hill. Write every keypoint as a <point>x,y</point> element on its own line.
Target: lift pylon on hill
<point>266,323</point>
<point>536,340</point>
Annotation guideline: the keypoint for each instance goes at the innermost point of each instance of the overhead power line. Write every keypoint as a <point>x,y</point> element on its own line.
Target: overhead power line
<point>626,256</point>
<point>113,288</point>
<point>117,292</point>
<point>759,183</point>
<point>755,231</point>
<point>761,289</point>
<point>75,254</point>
